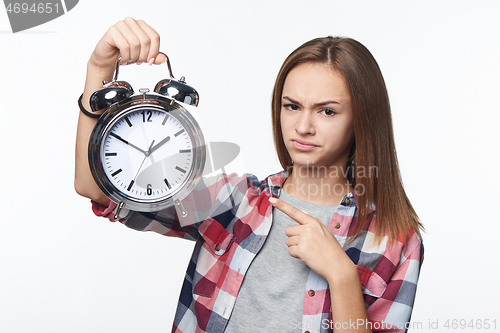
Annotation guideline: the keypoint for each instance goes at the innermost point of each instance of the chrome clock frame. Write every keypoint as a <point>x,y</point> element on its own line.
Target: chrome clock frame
<point>114,114</point>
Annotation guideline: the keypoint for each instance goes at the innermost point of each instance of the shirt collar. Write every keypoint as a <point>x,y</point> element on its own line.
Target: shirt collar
<point>274,184</point>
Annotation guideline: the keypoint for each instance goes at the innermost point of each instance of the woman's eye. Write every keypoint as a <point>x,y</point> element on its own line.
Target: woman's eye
<point>328,112</point>
<point>291,107</point>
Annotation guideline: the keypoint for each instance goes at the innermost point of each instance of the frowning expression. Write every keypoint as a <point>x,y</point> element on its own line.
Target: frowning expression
<point>316,116</point>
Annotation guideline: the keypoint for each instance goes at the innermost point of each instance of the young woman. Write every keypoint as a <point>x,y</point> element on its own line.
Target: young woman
<point>331,243</point>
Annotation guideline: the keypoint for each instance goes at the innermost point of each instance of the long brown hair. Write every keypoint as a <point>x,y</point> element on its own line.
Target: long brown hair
<point>373,148</point>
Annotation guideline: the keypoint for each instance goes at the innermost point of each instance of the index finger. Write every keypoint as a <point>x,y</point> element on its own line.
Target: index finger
<point>294,213</point>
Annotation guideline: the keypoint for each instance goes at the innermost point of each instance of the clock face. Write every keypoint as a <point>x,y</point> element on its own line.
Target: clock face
<point>147,153</point>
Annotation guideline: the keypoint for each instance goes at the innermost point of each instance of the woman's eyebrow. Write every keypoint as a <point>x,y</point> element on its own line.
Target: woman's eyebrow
<point>326,103</point>
<point>290,100</point>
<point>316,104</point>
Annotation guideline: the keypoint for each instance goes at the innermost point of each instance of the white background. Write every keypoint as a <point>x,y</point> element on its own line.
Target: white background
<point>64,270</point>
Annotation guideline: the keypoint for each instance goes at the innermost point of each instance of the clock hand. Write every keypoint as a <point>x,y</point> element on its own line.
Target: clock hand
<point>128,143</point>
<point>140,167</point>
<point>151,150</point>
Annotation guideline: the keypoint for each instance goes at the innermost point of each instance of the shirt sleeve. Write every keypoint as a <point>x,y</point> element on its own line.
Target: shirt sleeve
<point>212,196</point>
<point>391,312</point>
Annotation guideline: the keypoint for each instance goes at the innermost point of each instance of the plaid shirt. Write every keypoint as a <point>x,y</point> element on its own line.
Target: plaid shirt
<point>230,218</point>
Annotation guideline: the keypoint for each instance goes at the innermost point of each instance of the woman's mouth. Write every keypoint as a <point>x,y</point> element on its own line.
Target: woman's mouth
<point>303,145</point>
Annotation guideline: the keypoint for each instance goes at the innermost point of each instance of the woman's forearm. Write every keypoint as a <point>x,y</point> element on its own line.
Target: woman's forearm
<point>134,42</point>
<point>84,182</point>
<point>348,306</point>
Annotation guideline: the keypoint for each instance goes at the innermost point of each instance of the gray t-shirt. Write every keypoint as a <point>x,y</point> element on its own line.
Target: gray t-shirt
<point>272,294</point>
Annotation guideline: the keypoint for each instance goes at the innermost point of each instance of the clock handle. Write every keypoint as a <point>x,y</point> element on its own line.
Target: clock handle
<point>171,88</point>
<point>117,69</point>
<point>168,66</point>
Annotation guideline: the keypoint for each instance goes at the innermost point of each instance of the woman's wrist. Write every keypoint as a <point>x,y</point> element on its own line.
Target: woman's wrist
<point>102,65</point>
<point>346,275</point>
<point>94,81</point>
<point>96,74</point>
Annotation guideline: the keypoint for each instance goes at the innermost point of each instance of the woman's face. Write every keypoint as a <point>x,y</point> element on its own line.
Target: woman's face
<point>316,116</point>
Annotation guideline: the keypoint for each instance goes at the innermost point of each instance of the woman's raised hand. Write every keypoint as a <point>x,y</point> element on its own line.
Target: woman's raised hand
<point>132,40</point>
<point>135,42</point>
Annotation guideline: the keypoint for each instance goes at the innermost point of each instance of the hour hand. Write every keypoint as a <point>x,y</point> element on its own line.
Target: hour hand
<point>152,149</point>
<point>128,143</point>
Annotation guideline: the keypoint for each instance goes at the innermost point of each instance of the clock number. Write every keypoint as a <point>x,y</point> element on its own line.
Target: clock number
<point>149,114</point>
<point>149,189</point>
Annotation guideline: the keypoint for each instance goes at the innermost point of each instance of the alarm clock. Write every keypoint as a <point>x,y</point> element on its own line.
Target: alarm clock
<point>146,152</point>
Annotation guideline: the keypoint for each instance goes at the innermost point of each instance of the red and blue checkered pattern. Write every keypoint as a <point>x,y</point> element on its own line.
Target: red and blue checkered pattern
<point>230,218</point>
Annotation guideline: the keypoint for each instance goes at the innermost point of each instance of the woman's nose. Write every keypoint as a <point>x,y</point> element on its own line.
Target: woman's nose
<point>304,125</point>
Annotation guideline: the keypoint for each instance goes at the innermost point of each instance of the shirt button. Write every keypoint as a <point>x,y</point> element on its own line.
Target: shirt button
<point>217,247</point>
<point>311,293</point>
<point>337,225</point>
<point>362,287</point>
<point>347,201</point>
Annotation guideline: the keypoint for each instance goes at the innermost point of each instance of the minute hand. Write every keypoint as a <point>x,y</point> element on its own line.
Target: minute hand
<point>152,149</point>
<point>128,143</point>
